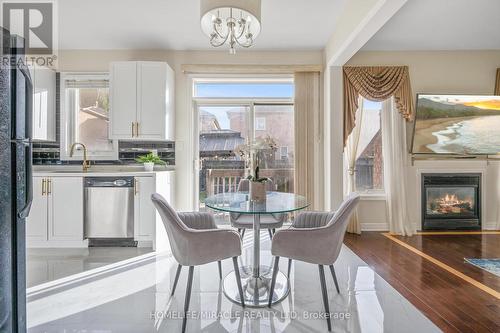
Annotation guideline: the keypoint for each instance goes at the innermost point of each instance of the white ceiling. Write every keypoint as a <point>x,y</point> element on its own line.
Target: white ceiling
<point>175,24</point>
<point>441,25</point>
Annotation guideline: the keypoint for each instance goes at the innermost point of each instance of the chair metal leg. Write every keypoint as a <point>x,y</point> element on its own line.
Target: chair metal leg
<point>220,269</point>
<point>325,296</point>
<point>270,234</point>
<point>335,278</point>
<point>238,280</point>
<point>289,267</point>
<point>188,297</point>
<point>273,282</point>
<point>243,233</point>
<point>179,267</point>
<point>274,231</point>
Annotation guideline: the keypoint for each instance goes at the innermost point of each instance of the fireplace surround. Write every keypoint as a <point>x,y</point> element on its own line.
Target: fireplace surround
<point>451,201</point>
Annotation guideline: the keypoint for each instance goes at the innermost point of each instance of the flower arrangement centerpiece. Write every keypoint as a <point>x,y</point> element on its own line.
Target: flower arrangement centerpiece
<point>254,154</point>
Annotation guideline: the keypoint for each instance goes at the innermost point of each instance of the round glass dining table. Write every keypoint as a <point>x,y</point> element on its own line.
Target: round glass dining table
<point>256,280</point>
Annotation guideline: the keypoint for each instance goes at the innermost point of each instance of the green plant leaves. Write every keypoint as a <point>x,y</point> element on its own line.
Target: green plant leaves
<point>150,158</point>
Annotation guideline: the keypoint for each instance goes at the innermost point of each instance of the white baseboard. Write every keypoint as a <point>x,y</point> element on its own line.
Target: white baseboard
<point>490,225</point>
<point>57,244</point>
<point>143,243</point>
<point>374,226</point>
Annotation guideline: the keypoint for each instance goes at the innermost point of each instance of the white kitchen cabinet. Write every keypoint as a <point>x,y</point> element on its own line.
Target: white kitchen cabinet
<point>141,101</point>
<point>56,217</point>
<point>123,99</point>
<point>36,223</point>
<point>144,211</point>
<point>44,103</point>
<point>65,208</point>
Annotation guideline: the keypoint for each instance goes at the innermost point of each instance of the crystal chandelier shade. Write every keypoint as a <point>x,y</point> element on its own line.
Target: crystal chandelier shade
<point>231,22</point>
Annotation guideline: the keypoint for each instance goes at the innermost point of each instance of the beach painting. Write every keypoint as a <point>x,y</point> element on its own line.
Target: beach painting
<point>457,124</point>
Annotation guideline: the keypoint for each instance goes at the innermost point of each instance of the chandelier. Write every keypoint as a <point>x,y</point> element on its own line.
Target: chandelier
<point>231,22</point>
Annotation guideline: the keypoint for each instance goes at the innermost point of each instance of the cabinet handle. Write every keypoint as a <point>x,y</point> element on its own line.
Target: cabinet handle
<point>137,129</point>
<point>44,184</point>
<point>49,186</point>
<point>133,129</point>
<point>136,187</point>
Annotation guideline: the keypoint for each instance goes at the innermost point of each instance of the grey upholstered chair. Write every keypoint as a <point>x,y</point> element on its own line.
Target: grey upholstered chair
<point>316,238</point>
<point>195,240</point>
<point>271,222</point>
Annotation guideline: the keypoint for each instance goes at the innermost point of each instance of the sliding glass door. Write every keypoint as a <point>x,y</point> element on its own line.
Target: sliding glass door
<point>232,112</point>
<point>277,122</point>
<point>221,128</point>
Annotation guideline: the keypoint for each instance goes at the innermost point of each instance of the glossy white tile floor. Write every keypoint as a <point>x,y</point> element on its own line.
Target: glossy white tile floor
<point>44,265</point>
<point>133,296</point>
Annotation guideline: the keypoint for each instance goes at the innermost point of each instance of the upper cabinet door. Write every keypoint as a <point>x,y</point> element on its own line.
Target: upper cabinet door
<point>44,103</point>
<point>123,100</point>
<point>142,101</point>
<point>152,99</point>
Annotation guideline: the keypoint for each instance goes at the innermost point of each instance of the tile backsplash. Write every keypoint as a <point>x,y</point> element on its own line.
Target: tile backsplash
<point>46,153</point>
<point>129,151</point>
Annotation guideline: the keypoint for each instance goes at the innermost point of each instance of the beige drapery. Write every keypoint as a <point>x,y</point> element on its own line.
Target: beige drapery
<point>497,84</point>
<point>376,83</point>
<point>351,155</point>
<point>307,134</point>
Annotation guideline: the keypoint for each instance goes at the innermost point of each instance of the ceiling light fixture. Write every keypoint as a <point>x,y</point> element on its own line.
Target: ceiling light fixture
<point>231,22</point>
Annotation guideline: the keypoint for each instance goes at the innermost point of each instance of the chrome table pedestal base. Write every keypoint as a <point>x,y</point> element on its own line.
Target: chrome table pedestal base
<point>256,289</point>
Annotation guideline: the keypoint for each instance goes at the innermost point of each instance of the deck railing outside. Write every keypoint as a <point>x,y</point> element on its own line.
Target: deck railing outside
<point>227,180</point>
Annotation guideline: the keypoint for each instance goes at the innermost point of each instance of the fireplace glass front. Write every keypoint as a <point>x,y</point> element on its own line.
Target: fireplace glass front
<point>450,201</point>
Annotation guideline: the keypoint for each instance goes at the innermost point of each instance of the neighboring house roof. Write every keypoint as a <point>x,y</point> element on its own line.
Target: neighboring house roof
<point>219,142</point>
<point>370,147</point>
<point>208,121</point>
<point>370,125</point>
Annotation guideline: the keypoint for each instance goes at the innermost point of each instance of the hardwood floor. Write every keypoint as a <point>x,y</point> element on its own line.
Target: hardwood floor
<point>451,302</point>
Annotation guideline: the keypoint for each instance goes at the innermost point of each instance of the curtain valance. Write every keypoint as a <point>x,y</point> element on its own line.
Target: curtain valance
<point>376,83</point>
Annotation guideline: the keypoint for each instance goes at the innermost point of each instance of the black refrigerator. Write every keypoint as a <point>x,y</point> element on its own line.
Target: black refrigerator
<point>16,191</point>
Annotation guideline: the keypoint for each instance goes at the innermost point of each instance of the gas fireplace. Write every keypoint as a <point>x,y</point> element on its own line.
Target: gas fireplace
<point>451,201</point>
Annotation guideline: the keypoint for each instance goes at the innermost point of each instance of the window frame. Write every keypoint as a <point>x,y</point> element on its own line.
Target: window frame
<point>198,102</point>
<point>260,121</point>
<point>285,148</point>
<point>67,120</point>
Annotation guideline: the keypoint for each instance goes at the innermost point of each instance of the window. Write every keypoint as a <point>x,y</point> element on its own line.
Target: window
<point>233,112</point>
<point>283,153</point>
<point>369,162</point>
<point>260,124</point>
<point>244,88</point>
<point>85,116</point>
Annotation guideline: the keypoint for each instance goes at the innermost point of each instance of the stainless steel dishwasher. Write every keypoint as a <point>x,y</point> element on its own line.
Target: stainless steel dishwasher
<point>109,207</point>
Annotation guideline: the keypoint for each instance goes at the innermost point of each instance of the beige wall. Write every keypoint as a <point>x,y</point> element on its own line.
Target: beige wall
<point>471,72</point>
<point>98,60</point>
<point>353,16</point>
<point>467,72</point>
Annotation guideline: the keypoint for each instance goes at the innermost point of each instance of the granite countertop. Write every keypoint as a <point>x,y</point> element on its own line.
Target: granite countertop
<point>98,170</point>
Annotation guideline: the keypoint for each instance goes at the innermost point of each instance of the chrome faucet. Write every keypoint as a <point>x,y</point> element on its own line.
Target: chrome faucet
<point>85,163</point>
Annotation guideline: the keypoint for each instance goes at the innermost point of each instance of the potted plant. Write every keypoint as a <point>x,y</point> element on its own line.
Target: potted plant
<point>254,155</point>
<point>149,161</point>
